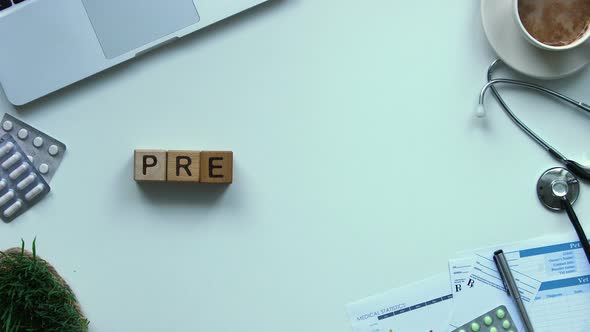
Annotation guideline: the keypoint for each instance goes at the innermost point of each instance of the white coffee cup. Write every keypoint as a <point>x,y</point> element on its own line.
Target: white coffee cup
<point>544,46</point>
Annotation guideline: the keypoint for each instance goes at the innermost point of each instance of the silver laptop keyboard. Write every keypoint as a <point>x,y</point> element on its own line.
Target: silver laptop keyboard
<point>8,3</point>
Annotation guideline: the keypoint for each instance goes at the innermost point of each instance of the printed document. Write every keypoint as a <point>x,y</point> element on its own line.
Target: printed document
<point>424,306</point>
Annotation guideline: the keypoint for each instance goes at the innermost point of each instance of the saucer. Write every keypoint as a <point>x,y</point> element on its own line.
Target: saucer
<point>507,40</point>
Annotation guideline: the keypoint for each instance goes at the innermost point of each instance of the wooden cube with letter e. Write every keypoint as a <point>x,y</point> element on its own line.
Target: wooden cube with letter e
<point>217,166</point>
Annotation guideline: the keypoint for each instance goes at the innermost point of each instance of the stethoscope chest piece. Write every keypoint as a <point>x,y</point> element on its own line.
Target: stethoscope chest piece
<point>558,190</point>
<point>554,185</point>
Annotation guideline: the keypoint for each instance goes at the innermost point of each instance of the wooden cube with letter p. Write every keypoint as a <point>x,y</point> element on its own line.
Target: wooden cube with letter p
<point>149,165</point>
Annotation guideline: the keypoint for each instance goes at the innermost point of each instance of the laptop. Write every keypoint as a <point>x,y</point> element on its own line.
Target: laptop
<point>46,45</point>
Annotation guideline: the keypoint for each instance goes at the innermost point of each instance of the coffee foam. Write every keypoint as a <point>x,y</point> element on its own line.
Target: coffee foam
<point>555,22</point>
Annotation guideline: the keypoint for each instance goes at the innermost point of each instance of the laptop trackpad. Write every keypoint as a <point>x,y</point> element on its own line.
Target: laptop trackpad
<point>124,25</point>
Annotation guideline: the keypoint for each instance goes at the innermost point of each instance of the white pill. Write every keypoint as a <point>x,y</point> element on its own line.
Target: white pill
<point>11,161</point>
<point>7,125</point>
<point>25,182</point>
<point>6,197</point>
<point>53,150</point>
<point>31,158</point>
<point>6,148</point>
<point>23,133</point>
<point>38,141</point>
<point>18,171</point>
<point>2,184</point>
<point>35,191</point>
<point>44,168</point>
<point>13,209</point>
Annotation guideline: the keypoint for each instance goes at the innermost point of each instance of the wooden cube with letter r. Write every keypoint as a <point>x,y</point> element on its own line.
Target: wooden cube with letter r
<point>183,166</point>
<point>149,165</point>
<point>217,166</point>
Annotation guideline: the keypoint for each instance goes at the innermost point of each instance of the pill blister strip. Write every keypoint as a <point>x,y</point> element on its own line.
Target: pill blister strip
<point>21,185</point>
<point>497,320</point>
<point>45,152</point>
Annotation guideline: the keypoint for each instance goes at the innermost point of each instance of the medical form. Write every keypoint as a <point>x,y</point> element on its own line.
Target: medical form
<point>563,298</point>
<point>489,292</point>
<point>554,280</point>
<point>420,307</point>
<point>551,273</point>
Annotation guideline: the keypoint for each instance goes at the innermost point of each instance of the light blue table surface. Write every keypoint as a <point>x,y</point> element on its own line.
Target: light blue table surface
<point>359,166</point>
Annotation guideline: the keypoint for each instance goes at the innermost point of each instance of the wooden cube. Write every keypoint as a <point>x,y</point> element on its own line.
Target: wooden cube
<point>217,166</point>
<point>183,166</point>
<point>149,165</point>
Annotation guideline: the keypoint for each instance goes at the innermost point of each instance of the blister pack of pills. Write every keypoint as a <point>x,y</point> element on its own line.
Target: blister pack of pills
<point>497,320</point>
<point>44,151</point>
<point>21,184</point>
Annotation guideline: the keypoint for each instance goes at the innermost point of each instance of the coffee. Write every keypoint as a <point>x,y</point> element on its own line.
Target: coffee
<point>555,22</point>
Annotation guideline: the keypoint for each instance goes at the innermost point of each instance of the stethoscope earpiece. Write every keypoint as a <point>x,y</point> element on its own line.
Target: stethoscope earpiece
<point>480,111</point>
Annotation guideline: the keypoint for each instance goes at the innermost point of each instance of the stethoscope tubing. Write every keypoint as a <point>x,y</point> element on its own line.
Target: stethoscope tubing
<point>491,85</point>
<point>567,206</point>
<point>573,166</point>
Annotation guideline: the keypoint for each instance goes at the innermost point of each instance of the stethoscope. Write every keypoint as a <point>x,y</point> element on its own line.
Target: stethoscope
<point>558,188</point>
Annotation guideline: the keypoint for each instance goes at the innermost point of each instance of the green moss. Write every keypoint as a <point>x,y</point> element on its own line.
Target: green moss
<point>33,299</point>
